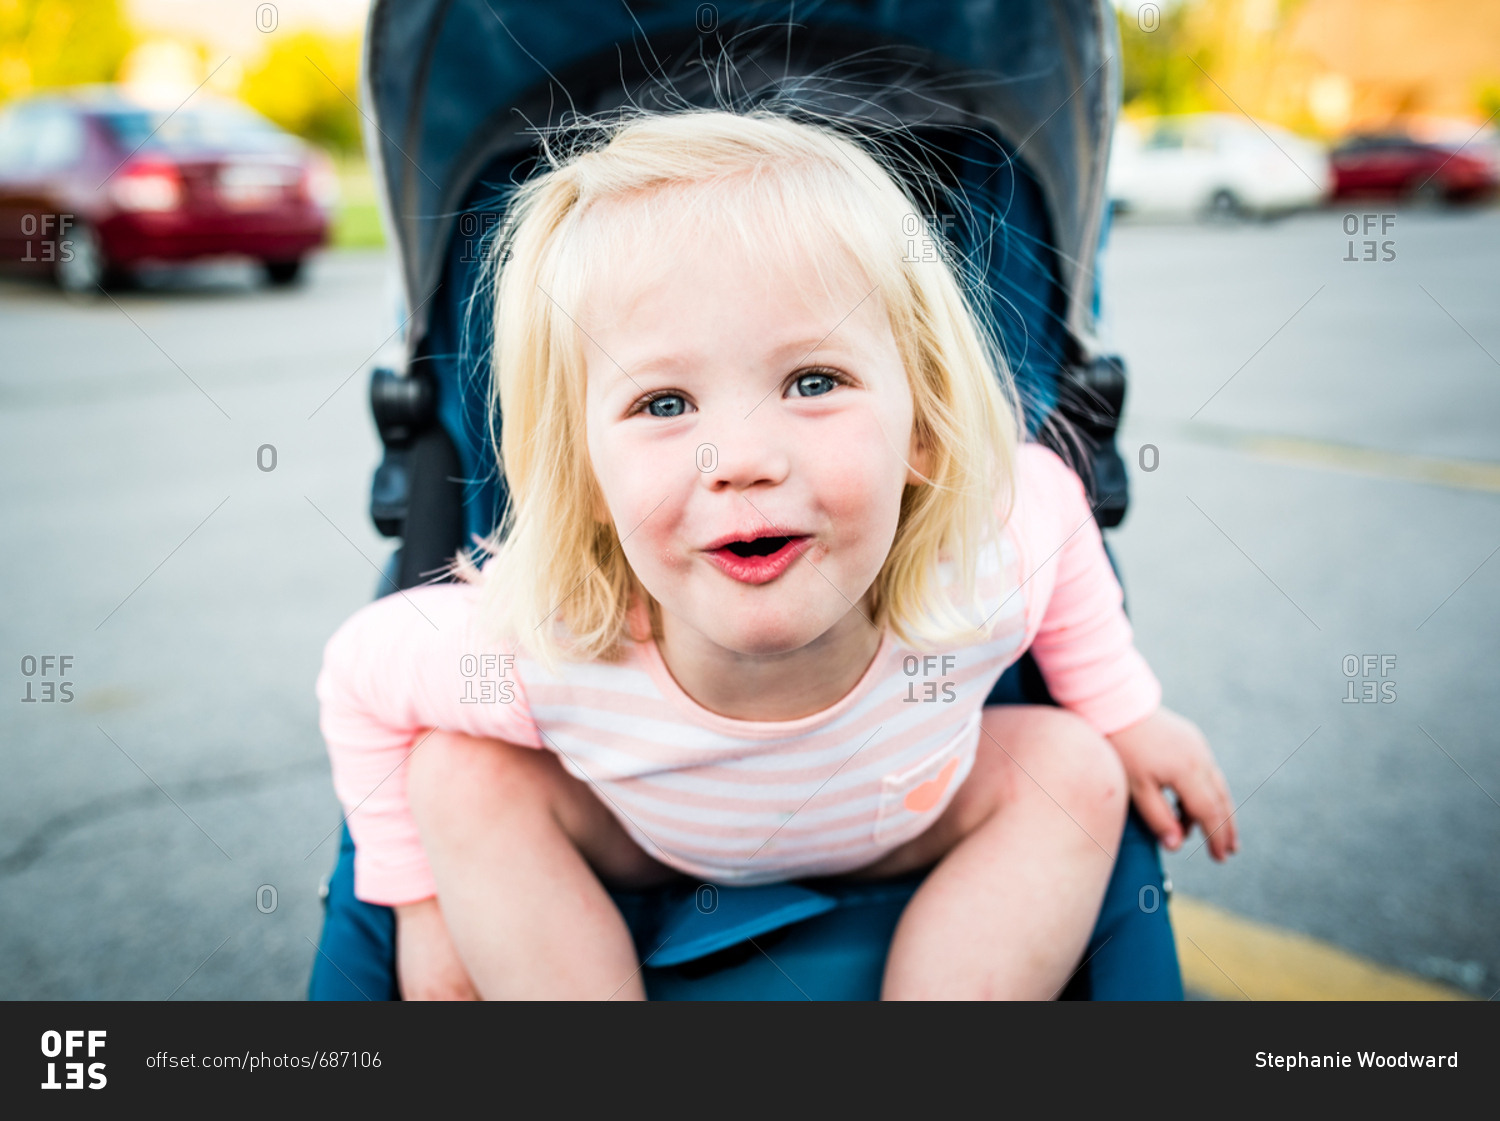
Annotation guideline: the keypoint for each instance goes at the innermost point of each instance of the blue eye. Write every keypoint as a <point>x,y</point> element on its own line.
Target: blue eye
<point>814,385</point>
<point>667,405</point>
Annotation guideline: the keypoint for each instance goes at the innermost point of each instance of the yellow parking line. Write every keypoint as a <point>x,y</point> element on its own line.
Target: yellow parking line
<point>1232,958</point>
<point>1463,474</point>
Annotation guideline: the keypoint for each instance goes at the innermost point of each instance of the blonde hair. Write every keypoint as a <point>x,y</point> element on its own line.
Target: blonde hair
<point>553,561</point>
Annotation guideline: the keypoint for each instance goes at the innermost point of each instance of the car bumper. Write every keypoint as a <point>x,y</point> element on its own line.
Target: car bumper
<point>273,236</point>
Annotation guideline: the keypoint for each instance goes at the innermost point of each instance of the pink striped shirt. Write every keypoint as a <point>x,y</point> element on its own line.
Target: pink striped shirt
<point>733,801</point>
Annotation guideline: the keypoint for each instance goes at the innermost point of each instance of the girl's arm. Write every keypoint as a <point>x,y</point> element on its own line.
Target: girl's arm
<point>427,963</point>
<point>1085,649</point>
<point>1080,637</point>
<point>397,668</point>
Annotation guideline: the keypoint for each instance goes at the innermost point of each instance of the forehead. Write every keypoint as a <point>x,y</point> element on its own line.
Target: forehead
<point>666,279</point>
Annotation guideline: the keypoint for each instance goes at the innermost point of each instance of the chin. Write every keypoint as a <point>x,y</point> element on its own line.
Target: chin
<point>764,634</point>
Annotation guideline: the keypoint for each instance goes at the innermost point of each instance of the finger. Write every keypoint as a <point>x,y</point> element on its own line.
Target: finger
<point>1233,826</point>
<point>1226,828</point>
<point>1158,812</point>
<point>1204,803</point>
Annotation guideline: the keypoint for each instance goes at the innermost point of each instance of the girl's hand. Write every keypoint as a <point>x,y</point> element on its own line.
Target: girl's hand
<point>427,963</point>
<point>1166,749</point>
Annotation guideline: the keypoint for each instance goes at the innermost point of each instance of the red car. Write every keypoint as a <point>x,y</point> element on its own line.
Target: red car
<point>1402,166</point>
<point>93,182</point>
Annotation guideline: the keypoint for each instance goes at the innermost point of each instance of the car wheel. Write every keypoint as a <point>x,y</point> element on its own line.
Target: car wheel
<point>1429,192</point>
<point>82,266</point>
<point>1225,206</point>
<point>283,274</point>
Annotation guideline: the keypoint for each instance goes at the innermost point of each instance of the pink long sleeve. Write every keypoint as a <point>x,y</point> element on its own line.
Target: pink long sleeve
<point>1080,637</point>
<point>412,661</point>
<point>398,665</point>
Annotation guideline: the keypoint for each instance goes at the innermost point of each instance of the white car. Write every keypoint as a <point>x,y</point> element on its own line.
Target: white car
<point>1214,164</point>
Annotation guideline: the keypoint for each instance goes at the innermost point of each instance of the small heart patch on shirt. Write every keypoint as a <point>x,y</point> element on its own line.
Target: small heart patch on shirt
<point>922,798</point>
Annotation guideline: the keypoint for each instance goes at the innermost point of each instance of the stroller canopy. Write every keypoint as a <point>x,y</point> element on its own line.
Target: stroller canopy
<point>451,85</point>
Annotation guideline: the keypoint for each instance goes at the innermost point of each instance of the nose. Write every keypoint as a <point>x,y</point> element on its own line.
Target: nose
<point>740,452</point>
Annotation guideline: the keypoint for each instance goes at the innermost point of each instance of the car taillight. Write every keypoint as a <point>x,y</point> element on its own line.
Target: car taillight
<point>150,187</point>
<point>320,182</point>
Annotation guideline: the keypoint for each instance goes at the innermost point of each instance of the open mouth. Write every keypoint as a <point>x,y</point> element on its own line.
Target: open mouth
<point>758,560</point>
<point>760,547</point>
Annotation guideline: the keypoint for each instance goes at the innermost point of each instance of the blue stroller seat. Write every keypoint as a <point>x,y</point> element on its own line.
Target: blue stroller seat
<point>1011,104</point>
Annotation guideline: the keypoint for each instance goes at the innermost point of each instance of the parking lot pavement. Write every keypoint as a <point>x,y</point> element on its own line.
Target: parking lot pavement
<point>164,828</point>
<point>1271,581</point>
<point>164,833</point>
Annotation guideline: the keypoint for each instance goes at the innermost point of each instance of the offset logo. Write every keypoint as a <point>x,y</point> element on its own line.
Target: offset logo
<point>66,1044</point>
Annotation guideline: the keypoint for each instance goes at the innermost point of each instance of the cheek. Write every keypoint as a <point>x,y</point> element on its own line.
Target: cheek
<point>859,479</point>
<point>619,470</point>
<point>642,501</point>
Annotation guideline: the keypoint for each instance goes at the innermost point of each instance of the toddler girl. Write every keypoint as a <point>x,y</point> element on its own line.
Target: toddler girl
<point>773,535</point>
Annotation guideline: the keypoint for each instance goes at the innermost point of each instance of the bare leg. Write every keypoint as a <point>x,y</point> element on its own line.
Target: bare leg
<point>515,842</point>
<point>1026,848</point>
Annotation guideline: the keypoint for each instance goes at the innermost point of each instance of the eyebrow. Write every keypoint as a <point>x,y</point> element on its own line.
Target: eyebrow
<point>794,349</point>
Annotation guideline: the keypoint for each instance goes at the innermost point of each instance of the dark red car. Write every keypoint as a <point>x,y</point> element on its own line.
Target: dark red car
<point>93,182</point>
<point>1395,165</point>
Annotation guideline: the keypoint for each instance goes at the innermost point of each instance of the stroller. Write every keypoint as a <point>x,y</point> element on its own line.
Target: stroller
<point>1011,102</point>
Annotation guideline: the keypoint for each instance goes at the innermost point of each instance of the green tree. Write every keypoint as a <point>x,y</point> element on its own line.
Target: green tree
<point>45,43</point>
<point>1158,49</point>
<point>308,83</point>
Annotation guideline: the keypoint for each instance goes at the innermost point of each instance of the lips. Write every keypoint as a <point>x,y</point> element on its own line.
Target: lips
<point>750,534</point>
<point>756,558</point>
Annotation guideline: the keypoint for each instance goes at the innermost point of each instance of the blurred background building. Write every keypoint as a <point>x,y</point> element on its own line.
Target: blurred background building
<point>1320,68</point>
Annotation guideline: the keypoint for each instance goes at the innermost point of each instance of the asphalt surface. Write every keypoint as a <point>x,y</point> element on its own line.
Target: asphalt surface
<point>164,833</point>
<point>1251,578</point>
<point>194,592</point>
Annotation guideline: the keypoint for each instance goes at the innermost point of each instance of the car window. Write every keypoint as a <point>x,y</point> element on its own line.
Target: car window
<point>1164,139</point>
<point>59,140</point>
<point>195,129</point>
<point>17,137</point>
<point>1205,139</point>
<point>39,138</point>
<point>1387,143</point>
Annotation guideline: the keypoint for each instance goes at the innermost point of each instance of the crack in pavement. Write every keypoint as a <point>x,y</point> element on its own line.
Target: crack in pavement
<point>36,844</point>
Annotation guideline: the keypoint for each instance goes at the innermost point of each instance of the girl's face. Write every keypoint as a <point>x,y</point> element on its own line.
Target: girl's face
<point>751,436</point>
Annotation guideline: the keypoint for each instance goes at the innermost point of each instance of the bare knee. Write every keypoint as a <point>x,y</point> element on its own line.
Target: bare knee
<point>1093,775</point>
<point>1075,764</point>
